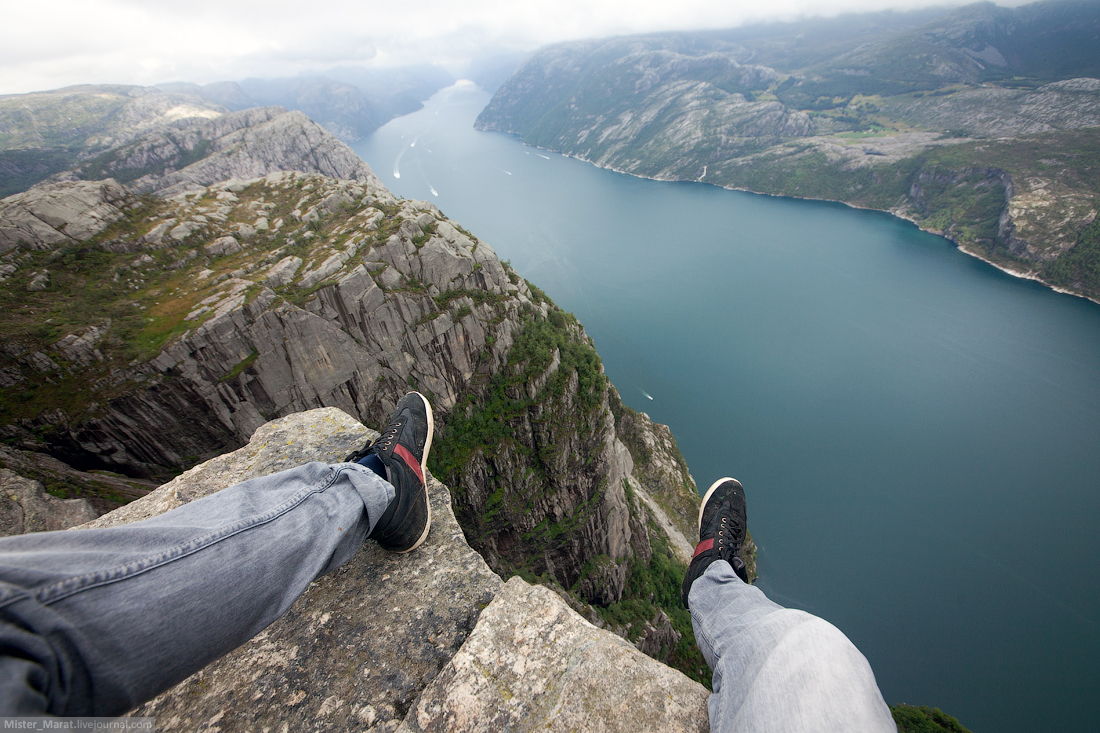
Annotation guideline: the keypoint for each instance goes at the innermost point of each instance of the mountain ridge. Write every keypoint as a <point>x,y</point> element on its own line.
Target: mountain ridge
<point>1002,166</point>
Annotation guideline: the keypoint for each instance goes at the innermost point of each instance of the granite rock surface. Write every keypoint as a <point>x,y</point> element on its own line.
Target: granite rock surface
<point>360,645</point>
<point>532,664</point>
<point>56,214</point>
<point>26,507</point>
<point>427,641</point>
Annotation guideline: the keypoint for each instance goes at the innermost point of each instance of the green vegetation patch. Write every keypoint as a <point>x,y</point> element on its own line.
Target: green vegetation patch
<point>1079,267</point>
<point>486,422</point>
<point>241,366</point>
<point>655,586</point>
<point>923,719</point>
<point>421,239</point>
<point>21,169</point>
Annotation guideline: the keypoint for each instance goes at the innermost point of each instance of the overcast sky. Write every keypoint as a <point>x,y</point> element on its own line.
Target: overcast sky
<point>53,43</point>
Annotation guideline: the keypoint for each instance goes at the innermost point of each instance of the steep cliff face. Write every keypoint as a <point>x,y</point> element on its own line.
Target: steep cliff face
<point>101,491</point>
<point>626,103</point>
<point>319,286</point>
<point>547,433</point>
<point>180,325</point>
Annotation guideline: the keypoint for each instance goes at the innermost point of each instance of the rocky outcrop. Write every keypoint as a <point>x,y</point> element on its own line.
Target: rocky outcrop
<point>26,507</point>
<point>193,153</point>
<point>154,141</point>
<point>532,664</point>
<point>56,214</point>
<point>361,644</point>
<point>430,640</point>
<point>657,636</point>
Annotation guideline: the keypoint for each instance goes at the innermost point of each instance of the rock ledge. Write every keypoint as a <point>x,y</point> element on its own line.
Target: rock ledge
<point>429,641</point>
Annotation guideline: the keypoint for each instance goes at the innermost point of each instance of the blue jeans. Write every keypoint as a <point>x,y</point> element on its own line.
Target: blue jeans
<point>94,622</point>
<point>778,669</point>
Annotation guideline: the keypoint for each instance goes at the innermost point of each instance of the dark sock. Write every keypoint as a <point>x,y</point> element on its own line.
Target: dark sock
<point>374,463</point>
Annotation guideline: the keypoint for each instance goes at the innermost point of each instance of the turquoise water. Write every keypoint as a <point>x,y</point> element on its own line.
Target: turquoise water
<point>918,433</point>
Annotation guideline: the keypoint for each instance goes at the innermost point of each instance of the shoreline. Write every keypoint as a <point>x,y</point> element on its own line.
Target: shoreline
<point>1022,275</point>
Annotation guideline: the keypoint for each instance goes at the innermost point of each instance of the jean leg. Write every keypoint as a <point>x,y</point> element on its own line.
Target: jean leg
<point>94,622</point>
<point>778,669</point>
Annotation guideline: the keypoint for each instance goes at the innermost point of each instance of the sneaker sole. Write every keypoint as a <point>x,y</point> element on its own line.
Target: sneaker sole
<point>424,471</point>
<point>715,485</point>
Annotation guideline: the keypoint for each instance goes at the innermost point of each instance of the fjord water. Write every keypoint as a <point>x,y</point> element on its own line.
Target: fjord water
<point>918,433</point>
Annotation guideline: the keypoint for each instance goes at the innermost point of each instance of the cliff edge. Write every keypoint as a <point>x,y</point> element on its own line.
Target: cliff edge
<point>150,326</point>
<point>429,641</point>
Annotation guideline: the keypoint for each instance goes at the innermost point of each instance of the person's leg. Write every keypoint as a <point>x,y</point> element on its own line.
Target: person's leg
<point>94,622</point>
<point>777,668</point>
<point>103,619</point>
<point>774,668</point>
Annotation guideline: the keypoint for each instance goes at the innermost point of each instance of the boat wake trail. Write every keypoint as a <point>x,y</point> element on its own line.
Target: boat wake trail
<point>397,163</point>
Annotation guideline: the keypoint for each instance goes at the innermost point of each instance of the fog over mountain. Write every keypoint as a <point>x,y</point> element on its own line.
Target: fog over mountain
<point>46,46</point>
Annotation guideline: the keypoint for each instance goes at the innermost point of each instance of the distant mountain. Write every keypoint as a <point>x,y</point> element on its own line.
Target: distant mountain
<point>1041,42</point>
<point>980,123</point>
<point>350,102</point>
<point>489,72</point>
<point>47,133</point>
<point>1031,45</point>
<point>226,93</point>
<point>340,108</point>
<point>396,91</point>
<point>152,140</point>
<point>803,44</point>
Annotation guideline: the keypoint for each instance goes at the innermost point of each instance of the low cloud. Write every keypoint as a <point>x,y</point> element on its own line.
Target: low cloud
<point>48,45</point>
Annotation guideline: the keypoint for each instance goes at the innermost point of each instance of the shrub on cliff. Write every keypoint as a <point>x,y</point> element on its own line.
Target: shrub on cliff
<point>923,719</point>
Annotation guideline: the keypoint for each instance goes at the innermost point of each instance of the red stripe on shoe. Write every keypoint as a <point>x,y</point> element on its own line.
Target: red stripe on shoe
<point>703,547</point>
<point>410,461</point>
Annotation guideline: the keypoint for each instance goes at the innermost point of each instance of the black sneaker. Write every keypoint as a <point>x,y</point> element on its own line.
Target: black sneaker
<point>403,449</point>
<point>722,523</point>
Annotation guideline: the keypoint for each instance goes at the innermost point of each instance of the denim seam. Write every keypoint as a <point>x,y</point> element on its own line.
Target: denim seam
<point>59,591</point>
<point>700,627</point>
